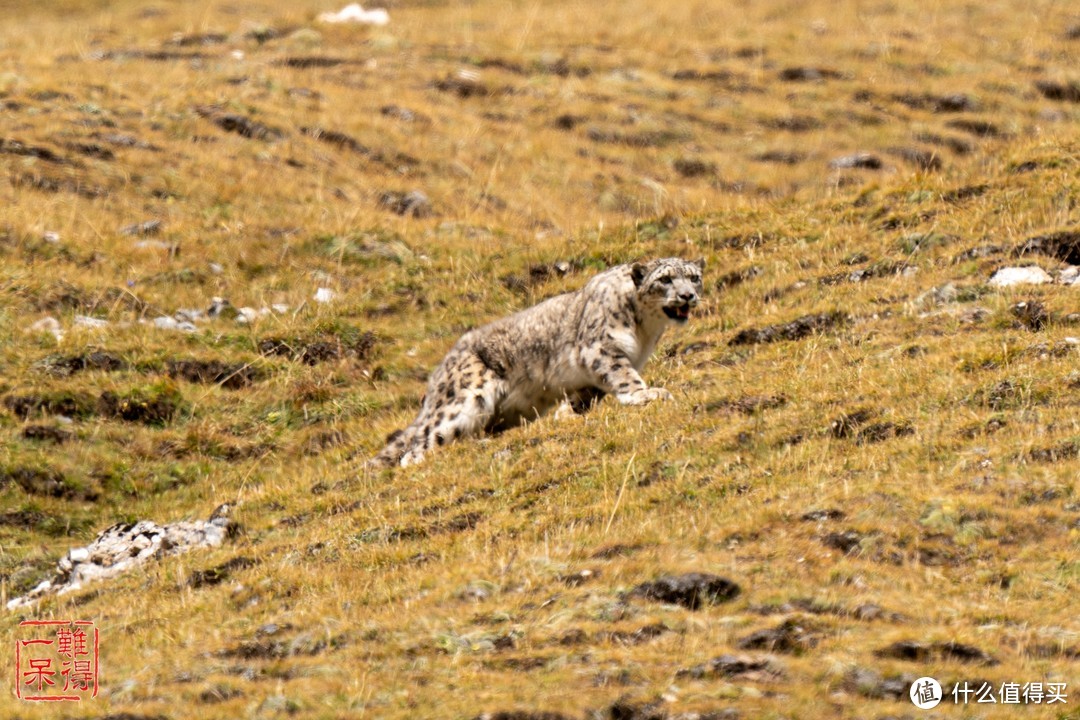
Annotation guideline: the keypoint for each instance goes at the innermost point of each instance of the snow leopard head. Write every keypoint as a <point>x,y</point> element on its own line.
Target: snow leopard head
<point>669,286</point>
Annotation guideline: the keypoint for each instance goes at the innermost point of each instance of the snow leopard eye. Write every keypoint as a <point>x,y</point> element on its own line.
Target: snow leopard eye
<point>666,280</point>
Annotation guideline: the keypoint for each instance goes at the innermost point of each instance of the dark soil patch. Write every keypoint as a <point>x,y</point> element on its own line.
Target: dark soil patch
<point>790,636</point>
<point>1069,92</point>
<point>741,667</point>
<point>231,376</point>
<point>618,550</point>
<point>67,365</point>
<point>307,63</point>
<point>25,519</point>
<point>219,693</point>
<point>152,407</point>
<point>692,590</point>
<point>219,573</point>
<point>846,542</point>
<point>91,150</point>
<point>857,161</point>
<point>635,637</point>
<point>147,228</point>
<point>414,204</point>
<point>956,102</point>
<point>191,39</point>
<point>153,55</point>
<point>317,349</point>
<point>967,192</point>
<point>523,715</point>
<point>642,139</point>
<point>21,149</point>
<point>1063,245</point>
<point>463,86</point>
<point>882,268</point>
<point>848,424</point>
<point>580,577</point>
<point>809,74</point>
<point>781,157</point>
<point>738,277</point>
<point>920,157</point>
<point>960,146</point>
<point>234,123</point>
<point>748,404</point>
<point>75,405</point>
<point>269,647</point>
<point>538,274</point>
<point>1031,314</point>
<point>322,441</point>
<point>794,330</point>
<point>978,128</point>
<point>1055,453</point>
<point>879,432</point>
<point>914,651</point>
<point>694,167</point>
<point>979,252</point>
<point>45,481</point>
<point>823,514</point>
<point>47,433</point>
<point>49,184</point>
<point>793,123</point>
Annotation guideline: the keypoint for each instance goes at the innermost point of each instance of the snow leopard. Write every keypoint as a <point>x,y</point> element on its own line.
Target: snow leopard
<point>569,351</point>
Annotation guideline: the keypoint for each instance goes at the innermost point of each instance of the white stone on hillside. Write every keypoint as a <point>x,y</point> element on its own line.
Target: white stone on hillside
<point>1010,276</point>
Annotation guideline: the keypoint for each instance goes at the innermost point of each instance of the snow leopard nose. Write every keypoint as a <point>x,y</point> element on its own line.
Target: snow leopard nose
<point>688,296</point>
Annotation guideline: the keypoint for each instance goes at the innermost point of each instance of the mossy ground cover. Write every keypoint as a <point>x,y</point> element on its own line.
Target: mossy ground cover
<point>877,445</point>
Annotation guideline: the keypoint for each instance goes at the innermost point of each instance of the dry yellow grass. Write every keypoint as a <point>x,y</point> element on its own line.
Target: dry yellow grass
<point>590,133</point>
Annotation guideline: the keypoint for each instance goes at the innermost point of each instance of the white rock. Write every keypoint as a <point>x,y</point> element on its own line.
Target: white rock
<point>79,555</point>
<point>1069,276</point>
<point>216,269</point>
<point>324,295</point>
<point>280,308</point>
<point>90,322</point>
<point>50,237</point>
<point>1009,276</point>
<point>49,325</point>
<point>355,14</point>
<point>245,315</point>
<point>166,323</point>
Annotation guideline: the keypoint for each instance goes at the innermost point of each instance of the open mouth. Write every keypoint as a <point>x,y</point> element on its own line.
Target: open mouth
<point>678,313</point>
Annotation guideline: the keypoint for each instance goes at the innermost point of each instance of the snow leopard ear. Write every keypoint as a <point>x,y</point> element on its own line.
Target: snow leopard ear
<point>638,271</point>
<point>700,262</point>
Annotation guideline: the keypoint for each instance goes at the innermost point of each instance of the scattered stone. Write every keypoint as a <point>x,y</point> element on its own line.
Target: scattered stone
<point>788,637</point>
<point>925,159</point>
<point>220,307</point>
<point>170,323</point>
<point>354,13</point>
<point>1031,314</point>
<point>1011,276</point>
<point>934,297</point>
<point>878,432</point>
<point>320,348</point>
<point>90,322</point>
<point>48,325</point>
<point>741,667</point>
<point>692,590</point>
<point>956,102</point>
<point>523,715</point>
<point>864,161</point>
<point>738,277</point>
<point>45,481</point>
<point>794,330</point>
<point>1069,92</point>
<point>53,238</point>
<point>978,252</point>
<point>209,38</point>
<point>413,204</point>
<point>324,295</point>
<point>144,229</point>
<point>464,83</point>
<point>782,157</point>
<point>124,546</point>
<point>16,147</point>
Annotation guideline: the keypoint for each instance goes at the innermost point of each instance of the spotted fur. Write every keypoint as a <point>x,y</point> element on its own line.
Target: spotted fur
<point>572,349</point>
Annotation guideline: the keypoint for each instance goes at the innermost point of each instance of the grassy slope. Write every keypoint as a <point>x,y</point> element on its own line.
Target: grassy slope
<point>438,590</point>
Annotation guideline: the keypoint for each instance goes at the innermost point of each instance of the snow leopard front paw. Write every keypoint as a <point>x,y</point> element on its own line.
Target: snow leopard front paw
<point>646,396</point>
